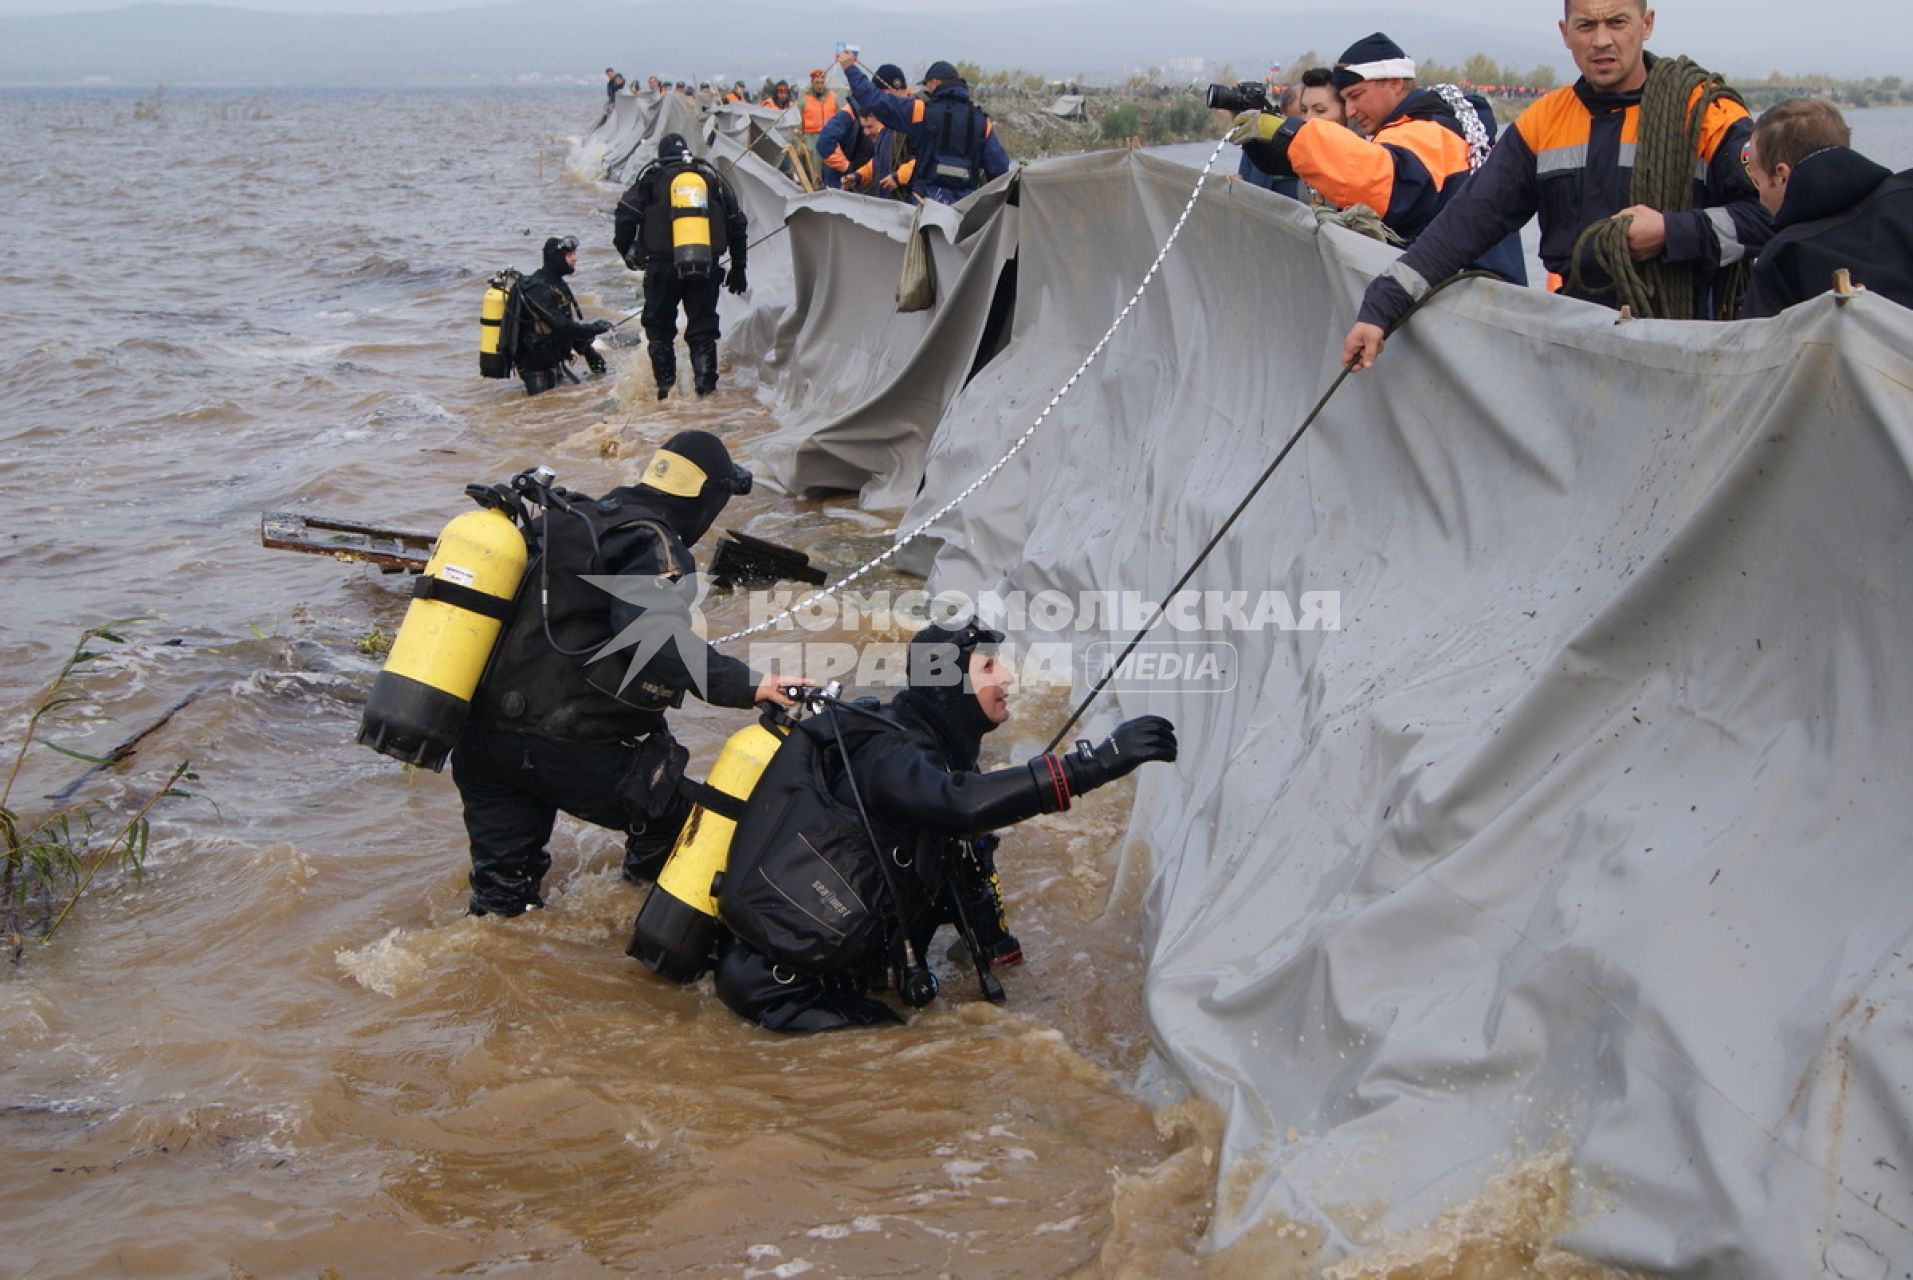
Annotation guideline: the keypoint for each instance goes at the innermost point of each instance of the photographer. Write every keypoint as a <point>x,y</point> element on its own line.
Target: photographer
<point>1319,99</point>
<point>1254,97</point>
<point>1422,146</point>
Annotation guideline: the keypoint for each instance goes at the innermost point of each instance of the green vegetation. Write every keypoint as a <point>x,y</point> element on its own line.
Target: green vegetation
<point>1145,111</point>
<point>151,108</point>
<point>1874,91</point>
<point>48,862</point>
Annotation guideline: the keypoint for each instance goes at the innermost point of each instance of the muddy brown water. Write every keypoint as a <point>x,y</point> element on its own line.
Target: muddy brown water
<point>287,1051</point>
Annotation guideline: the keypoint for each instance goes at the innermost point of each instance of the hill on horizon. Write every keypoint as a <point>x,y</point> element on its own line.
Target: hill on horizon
<point>186,45</point>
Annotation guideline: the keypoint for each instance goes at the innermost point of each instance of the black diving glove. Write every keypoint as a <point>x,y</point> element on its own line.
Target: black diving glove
<point>734,278</point>
<point>1135,743</point>
<point>596,361</point>
<point>600,326</point>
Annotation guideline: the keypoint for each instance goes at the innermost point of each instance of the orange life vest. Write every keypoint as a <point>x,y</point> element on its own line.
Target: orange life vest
<point>818,111</point>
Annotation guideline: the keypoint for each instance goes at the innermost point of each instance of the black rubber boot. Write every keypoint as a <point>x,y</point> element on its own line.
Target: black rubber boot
<point>664,367</point>
<point>704,367</point>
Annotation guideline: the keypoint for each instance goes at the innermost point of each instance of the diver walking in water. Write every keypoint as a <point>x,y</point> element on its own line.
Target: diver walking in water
<point>674,223</point>
<point>560,722</point>
<point>550,324</point>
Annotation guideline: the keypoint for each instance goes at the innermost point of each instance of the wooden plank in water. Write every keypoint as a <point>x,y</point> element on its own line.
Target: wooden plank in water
<point>392,550</point>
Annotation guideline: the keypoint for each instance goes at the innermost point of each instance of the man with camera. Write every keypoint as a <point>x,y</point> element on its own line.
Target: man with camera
<point>1422,145</point>
<point>684,227</point>
<point>1247,95</point>
<point>1569,161</point>
<point>561,721</point>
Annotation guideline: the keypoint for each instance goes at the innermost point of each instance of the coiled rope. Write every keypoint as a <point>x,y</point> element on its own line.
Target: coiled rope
<point>1670,134</point>
<point>1021,440</point>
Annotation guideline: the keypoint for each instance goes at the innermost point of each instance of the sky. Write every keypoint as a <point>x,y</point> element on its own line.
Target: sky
<point>1682,24</point>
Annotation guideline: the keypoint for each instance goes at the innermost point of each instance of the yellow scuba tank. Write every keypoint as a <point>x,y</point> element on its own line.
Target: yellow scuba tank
<point>459,605</point>
<point>494,343</point>
<point>678,923</point>
<point>691,224</point>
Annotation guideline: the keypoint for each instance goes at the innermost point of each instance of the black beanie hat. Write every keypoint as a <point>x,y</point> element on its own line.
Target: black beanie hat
<point>1373,57</point>
<point>672,147</point>
<point>940,692</point>
<point>891,76</point>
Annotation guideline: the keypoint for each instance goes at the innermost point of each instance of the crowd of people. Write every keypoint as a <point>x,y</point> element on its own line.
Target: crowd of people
<point>1756,217</point>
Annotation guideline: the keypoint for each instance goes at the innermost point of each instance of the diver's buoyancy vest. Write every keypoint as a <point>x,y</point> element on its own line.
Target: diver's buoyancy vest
<point>951,134</point>
<point>661,235</point>
<point>531,686</point>
<point>539,305</point>
<point>802,885</point>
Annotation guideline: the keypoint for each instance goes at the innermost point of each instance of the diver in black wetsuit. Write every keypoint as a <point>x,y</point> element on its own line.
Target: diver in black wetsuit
<point>551,325</point>
<point>915,768</point>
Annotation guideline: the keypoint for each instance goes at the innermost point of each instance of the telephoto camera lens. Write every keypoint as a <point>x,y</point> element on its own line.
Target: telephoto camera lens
<point>1247,96</point>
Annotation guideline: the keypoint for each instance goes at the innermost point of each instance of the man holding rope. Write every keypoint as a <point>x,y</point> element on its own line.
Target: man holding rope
<point>1634,171</point>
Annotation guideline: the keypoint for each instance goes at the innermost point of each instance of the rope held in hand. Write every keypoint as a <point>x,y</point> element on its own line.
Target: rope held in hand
<point>1670,136</point>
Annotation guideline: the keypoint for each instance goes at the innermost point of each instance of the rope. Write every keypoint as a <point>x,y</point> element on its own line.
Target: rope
<point>1240,507</point>
<point>1021,440</point>
<point>1670,133</point>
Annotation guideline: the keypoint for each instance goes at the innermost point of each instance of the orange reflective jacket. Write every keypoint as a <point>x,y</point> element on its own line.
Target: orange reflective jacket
<point>818,111</point>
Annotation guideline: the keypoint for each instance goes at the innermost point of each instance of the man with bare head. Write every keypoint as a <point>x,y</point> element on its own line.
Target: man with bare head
<point>1833,208</point>
<point>1569,159</point>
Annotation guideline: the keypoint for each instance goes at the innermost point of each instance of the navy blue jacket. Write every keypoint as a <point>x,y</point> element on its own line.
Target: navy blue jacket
<point>907,115</point>
<point>841,133</point>
<point>1840,210</point>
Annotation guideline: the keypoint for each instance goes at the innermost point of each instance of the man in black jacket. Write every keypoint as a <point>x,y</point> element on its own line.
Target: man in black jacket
<point>676,242</point>
<point>560,721</point>
<point>551,325</point>
<point>1832,208</point>
<point>915,772</point>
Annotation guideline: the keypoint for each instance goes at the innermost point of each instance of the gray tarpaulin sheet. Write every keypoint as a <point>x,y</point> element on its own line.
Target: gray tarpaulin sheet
<point>626,139</point>
<point>1585,836</point>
